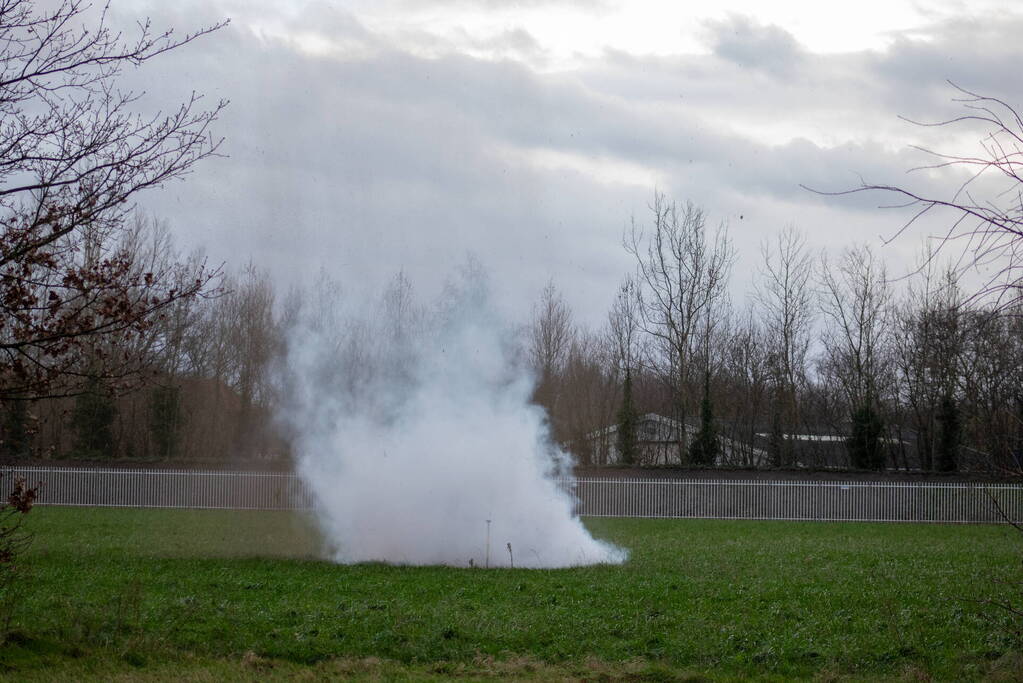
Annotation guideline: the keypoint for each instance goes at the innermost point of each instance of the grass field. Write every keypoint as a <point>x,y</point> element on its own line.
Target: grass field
<point>213,595</point>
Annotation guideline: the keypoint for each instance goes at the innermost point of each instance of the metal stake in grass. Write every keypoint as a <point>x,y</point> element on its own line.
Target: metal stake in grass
<point>486,564</point>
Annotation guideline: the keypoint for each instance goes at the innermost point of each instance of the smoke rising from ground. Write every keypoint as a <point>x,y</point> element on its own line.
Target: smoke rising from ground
<point>414,432</point>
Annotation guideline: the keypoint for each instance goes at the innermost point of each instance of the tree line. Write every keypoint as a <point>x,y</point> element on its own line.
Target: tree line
<point>826,363</point>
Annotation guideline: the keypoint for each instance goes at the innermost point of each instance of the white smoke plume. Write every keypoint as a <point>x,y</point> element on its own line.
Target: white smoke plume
<point>414,432</point>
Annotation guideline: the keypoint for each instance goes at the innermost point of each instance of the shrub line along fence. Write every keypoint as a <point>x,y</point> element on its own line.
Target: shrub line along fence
<point>677,498</point>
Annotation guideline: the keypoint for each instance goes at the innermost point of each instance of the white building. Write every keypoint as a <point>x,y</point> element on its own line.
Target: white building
<point>661,441</point>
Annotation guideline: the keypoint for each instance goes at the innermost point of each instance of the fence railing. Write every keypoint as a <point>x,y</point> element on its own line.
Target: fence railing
<point>164,488</point>
<point>695,498</point>
<point>800,500</point>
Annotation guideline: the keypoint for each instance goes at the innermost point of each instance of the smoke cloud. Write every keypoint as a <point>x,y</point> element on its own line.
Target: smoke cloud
<point>415,434</point>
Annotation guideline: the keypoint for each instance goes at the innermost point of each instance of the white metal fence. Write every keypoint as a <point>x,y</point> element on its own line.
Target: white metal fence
<point>693,498</point>
<point>800,500</point>
<point>163,488</point>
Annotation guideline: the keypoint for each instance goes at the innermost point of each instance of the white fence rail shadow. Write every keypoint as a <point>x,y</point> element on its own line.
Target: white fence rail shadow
<point>695,498</point>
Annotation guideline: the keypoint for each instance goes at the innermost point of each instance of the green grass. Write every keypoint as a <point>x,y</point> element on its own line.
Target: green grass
<point>217,595</point>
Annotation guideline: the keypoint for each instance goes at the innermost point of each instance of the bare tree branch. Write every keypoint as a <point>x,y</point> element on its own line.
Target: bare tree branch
<point>990,231</point>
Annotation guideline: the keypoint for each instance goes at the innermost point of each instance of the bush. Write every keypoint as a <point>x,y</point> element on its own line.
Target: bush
<point>13,542</point>
<point>864,445</point>
<point>627,421</point>
<point>15,432</point>
<point>706,446</point>
<point>165,420</point>
<point>949,434</point>
<point>93,420</point>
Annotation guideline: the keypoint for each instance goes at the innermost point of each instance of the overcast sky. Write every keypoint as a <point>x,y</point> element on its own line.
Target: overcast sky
<point>371,136</point>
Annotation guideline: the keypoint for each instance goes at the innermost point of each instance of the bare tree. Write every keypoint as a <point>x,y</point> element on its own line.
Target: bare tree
<point>255,342</point>
<point>588,394</point>
<point>623,327</point>
<point>401,323</point>
<point>931,325</point>
<point>682,271</point>
<point>989,227</point>
<point>401,314</point>
<point>551,331</point>
<point>73,156</point>
<point>150,422</point>
<point>991,375</point>
<point>623,333</point>
<point>786,304</point>
<point>162,347</point>
<point>747,376</point>
<point>551,334</point>
<point>855,301</point>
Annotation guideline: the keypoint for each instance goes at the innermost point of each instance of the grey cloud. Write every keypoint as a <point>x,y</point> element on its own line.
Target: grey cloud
<point>387,160</point>
<point>983,56</point>
<point>751,45</point>
<point>354,166</point>
<point>517,41</point>
<point>586,5</point>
